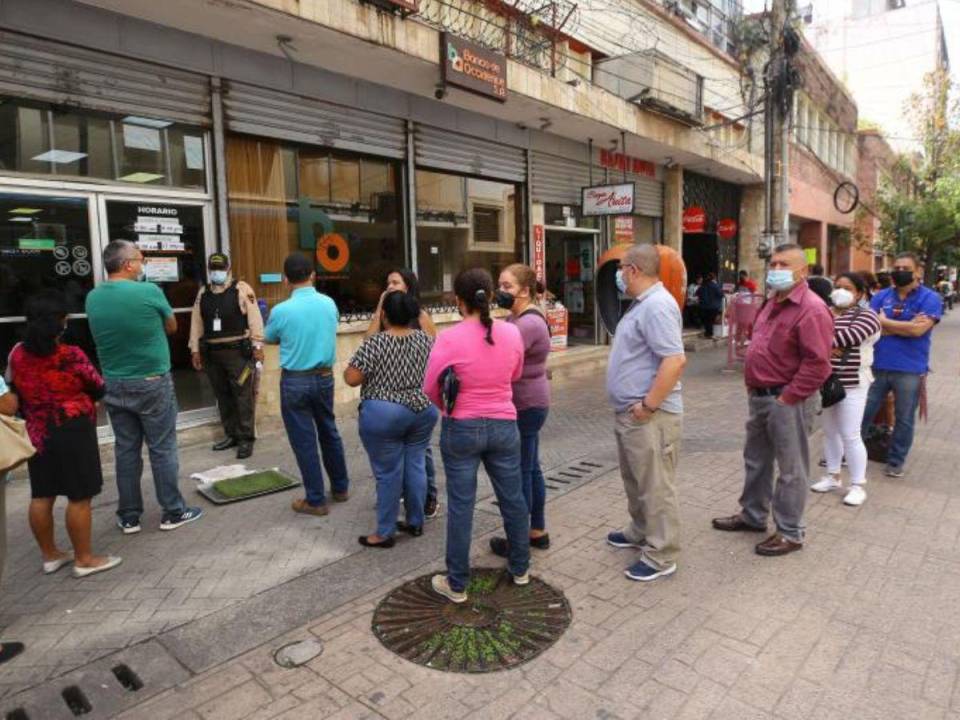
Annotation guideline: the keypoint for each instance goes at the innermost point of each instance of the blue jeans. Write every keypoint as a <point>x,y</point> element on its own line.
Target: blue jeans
<point>396,440</point>
<point>306,404</point>
<point>906,395</point>
<point>464,444</point>
<point>144,410</point>
<point>529,423</point>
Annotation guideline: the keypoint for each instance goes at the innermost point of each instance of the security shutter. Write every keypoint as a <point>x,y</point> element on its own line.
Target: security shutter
<point>559,180</point>
<point>65,75</point>
<point>445,150</point>
<point>649,194</point>
<point>256,111</point>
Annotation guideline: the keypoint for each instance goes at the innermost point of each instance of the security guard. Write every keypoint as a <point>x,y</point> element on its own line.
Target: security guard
<point>226,339</point>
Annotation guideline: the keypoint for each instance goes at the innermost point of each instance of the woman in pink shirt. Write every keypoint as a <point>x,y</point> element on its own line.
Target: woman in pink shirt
<point>469,377</point>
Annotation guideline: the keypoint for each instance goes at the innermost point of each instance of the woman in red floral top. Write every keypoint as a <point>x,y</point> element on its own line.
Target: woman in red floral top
<point>58,390</point>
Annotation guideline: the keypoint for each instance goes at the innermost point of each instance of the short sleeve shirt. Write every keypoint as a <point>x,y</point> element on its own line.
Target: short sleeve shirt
<point>905,354</point>
<point>3,386</point>
<point>305,325</point>
<point>126,318</point>
<point>393,367</point>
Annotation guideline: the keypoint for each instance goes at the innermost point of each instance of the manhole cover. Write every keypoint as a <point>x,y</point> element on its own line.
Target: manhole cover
<point>500,626</point>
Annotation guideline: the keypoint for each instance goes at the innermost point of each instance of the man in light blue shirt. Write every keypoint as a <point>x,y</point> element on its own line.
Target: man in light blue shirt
<point>643,384</point>
<point>305,326</point>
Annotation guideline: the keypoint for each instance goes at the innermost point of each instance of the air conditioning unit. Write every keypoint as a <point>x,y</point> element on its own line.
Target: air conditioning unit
<point>656,82</point>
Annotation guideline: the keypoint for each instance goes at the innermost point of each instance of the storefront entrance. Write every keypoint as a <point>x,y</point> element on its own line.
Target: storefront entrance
<point>571,257</point>
<point>54,239</point>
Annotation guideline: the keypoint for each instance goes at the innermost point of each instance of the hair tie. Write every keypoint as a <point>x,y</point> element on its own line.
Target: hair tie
<point>480,296</point>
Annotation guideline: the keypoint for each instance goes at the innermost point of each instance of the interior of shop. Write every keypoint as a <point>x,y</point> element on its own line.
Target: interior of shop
<point>571,277</point>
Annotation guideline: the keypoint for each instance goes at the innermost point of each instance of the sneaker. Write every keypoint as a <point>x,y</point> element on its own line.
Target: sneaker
<point>826,484</point>
<point>441,586</point>
<point>642,572</point>
<point>522,579</point>
<point>129,527</point>
<point>894,471</point>
<point>619,540</point>
<point>172,522</point>
<point>431,508</point>
<point>855,497</point>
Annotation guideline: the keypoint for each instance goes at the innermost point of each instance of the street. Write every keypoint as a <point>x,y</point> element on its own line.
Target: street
<point>862,623</point>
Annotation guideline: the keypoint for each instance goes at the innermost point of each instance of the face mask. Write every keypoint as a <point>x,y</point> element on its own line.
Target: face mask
<point>504,299</point>
<point>218,277</point>
<point>842,298</point>
<point>621,283</point>
<point>780,279</point>
<point>902,278</point>
<point>142,275</point>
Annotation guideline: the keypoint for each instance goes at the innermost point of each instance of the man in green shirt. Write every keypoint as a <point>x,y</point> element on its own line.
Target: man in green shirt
<point>130,320</point>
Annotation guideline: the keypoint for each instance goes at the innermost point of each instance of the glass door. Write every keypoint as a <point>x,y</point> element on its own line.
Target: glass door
<point>571,273</point>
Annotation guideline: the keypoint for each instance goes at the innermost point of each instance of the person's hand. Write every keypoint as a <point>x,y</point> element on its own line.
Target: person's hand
<point>258,354</point>
<point>640,413</point>
<point>920,318</point>
<point>197,360</point>
<point>837,352</point>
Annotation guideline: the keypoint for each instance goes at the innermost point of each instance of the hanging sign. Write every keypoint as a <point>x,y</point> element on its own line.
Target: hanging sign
<point>694,219</point>
<point>607,200</point>
<point>623,230</point>
<point>471,67</point>
<point>539,254</point>
<point>626,163</point>
<point>727,228</point>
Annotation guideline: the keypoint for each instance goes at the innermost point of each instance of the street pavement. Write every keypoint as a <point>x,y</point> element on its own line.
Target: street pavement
<point>863,623</point>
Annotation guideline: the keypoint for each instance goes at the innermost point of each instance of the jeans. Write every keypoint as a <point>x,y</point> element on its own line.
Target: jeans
<point>529,423</point>
<point>464,444</point>
<point>144,410</point>
<point>395,438</point>
<point>306,405</point>
<point>841,435</point>
<point>906,398</point>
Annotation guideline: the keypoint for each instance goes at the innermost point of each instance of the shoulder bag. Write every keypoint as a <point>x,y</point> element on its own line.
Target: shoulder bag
<point>15,445</point>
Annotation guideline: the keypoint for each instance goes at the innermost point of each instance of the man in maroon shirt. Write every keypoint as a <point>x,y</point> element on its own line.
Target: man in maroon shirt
<point>787,362</point>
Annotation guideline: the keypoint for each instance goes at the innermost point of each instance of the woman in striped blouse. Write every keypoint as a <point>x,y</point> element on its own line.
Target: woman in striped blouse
<point>855,330</point>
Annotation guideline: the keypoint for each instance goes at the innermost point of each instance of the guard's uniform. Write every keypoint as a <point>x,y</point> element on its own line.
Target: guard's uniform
<point>225,327</point>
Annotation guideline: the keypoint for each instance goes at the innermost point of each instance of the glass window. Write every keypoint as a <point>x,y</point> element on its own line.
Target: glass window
<point>462,222</point>
<point>67,143</point>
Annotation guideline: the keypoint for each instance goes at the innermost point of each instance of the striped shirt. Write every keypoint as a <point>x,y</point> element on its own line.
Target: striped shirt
<point>855,331</point>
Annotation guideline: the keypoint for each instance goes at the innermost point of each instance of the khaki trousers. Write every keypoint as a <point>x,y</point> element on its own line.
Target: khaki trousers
<point>648,465</point>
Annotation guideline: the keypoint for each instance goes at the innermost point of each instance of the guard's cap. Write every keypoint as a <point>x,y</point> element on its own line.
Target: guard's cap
<point>218,261</point>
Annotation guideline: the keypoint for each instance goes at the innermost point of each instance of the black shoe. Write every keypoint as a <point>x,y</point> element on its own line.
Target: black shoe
<point>9,650</point>
<point>225,444</point>
<point>500,547</point>
<point>388,543</point>
<point>414,530</point>
<point>244,450</point>
<point>540,543</point>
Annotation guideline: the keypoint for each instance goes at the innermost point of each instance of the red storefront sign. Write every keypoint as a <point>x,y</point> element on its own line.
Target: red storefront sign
<point>626,163</point>
<point>727,228</point>
<point>694,220</point>
<point>539,254</point>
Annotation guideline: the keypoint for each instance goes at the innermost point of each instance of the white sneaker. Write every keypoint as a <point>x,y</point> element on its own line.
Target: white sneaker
<point>826,484</point>
<point>441,586</point>
<point>856,496</point>
<point>522,579</point>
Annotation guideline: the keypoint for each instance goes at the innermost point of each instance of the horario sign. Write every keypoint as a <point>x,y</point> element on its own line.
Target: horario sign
<point>469,66</point>
<point>608,199</point>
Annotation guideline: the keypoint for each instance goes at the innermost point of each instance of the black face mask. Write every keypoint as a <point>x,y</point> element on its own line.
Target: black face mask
<point>901,278</point>
<point>504,299</point>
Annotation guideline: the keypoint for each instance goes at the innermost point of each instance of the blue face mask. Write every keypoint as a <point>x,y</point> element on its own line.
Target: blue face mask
<point>218,277</point>
<point>780,279</point>
<point>621,283</point>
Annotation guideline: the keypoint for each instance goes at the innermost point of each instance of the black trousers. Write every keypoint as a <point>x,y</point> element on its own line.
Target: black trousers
<point>225,369</point>
<point>707,316</point>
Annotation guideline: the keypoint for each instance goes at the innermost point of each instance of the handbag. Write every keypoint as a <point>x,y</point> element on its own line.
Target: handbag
<point>449,387</point>
<point>15,445</point>
<point>832,391</point>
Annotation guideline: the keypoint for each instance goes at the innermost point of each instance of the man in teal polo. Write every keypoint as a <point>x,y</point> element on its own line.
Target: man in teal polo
<point>305,326</point>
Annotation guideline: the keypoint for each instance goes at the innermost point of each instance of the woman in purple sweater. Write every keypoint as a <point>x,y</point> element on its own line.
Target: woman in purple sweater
<point>531,393</point>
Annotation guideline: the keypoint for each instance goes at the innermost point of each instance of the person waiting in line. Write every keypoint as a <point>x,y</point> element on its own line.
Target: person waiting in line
<point>855,330</point>
<point>9,405</point>
<point>482,358</point>
<point>710,301</point>
<point>745,283</point>
<point>305,326</point>
<point>396,417</point>
<point>58,389</point>
<point>226,336</point>
<point>406,281</point>
<point>130,320</point>
<point>531,394</point>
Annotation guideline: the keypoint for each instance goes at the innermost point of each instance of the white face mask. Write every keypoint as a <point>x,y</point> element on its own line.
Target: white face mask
<point>842,298</point>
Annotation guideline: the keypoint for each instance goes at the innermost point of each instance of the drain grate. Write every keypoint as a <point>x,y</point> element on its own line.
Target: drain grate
<point>17,714</point>
<point>75,699</point>
<point>562,479</point>
<point>501,625</point>
<point>127,677</point>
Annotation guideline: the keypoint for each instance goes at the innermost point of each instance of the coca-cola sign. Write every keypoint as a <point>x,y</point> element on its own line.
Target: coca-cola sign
<point>727,228</point>
<point>608,200</point>
<point>694,220</point>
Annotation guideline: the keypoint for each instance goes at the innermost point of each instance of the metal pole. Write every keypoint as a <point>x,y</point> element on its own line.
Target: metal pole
<point>412,198</point>
<point>220,166</point>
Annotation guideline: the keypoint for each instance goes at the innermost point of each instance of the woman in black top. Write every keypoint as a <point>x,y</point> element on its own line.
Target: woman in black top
<point>396,417</point>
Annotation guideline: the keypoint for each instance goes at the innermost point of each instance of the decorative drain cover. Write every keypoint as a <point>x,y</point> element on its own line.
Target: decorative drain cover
<point>501,625</point>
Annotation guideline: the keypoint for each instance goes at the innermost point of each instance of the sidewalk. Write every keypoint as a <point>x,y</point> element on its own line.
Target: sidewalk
<point>863,623</point>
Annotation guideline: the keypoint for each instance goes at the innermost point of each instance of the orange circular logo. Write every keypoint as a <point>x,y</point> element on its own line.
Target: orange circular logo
<point>333,253</point>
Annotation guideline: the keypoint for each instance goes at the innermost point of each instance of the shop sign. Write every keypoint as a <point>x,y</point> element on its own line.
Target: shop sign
<point>623,230</point>
<point>626,163</point>
<point>539,254</point>
<point>694,219</point>
<point>608,200</point>
<point>727,228</point>
<point>471,67</point>
<point>559,321</point>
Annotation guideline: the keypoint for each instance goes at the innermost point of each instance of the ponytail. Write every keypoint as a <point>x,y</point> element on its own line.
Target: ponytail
<point>475,288</point>
<point>483,305</point>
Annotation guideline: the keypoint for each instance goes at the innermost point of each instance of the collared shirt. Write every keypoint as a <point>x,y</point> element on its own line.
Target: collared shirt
<point>306,328</point>
<point>791,345</point>
<point>899,353</point>
<point>248,306</point>
<point>651,330</point>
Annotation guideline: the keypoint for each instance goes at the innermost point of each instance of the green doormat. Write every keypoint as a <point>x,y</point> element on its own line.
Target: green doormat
<point>244,487</point>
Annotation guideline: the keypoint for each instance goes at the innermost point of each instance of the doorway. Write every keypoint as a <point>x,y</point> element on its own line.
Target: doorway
<point>571,263</point>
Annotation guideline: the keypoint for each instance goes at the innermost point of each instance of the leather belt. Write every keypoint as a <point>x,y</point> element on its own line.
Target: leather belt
<point>322,371</point>
<point>227,345</point>
<point>767,392</point>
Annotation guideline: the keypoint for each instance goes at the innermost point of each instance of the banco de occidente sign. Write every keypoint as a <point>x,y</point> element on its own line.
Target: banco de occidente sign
<point>471,67</point>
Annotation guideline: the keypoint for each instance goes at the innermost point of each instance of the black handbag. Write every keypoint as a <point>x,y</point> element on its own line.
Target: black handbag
<point>832,391</point>
<point>449,387</point>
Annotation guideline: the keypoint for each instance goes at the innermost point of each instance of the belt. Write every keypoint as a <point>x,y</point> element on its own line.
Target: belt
<point>228,345</point>
<point>322,371</point>
<point>767,392</point>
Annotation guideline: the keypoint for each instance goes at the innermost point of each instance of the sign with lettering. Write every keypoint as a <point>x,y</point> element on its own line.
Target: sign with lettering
<point>471,67</point>
<point>539,254</point>
<point>607,199</point>
<point>694,219</point>
<point>623,230</point>
<point>626,163</point>
<point>727,228</point>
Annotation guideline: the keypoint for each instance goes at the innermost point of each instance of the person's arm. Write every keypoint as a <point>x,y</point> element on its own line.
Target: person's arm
<point>439,360</point>
<point>93,384</point>
<point>376,322</point>
<point>360,364</point>
<point>248,305</point>
<point>860,328</point>
<point>9,403</point>
<point>664,334</point>
<point>668,375</point>
<point>196,332</point>
<point>920,325</point>
<point>427,325</point>
<point>815,342</point>
<point>166,312</point>
<point>271,333</point>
